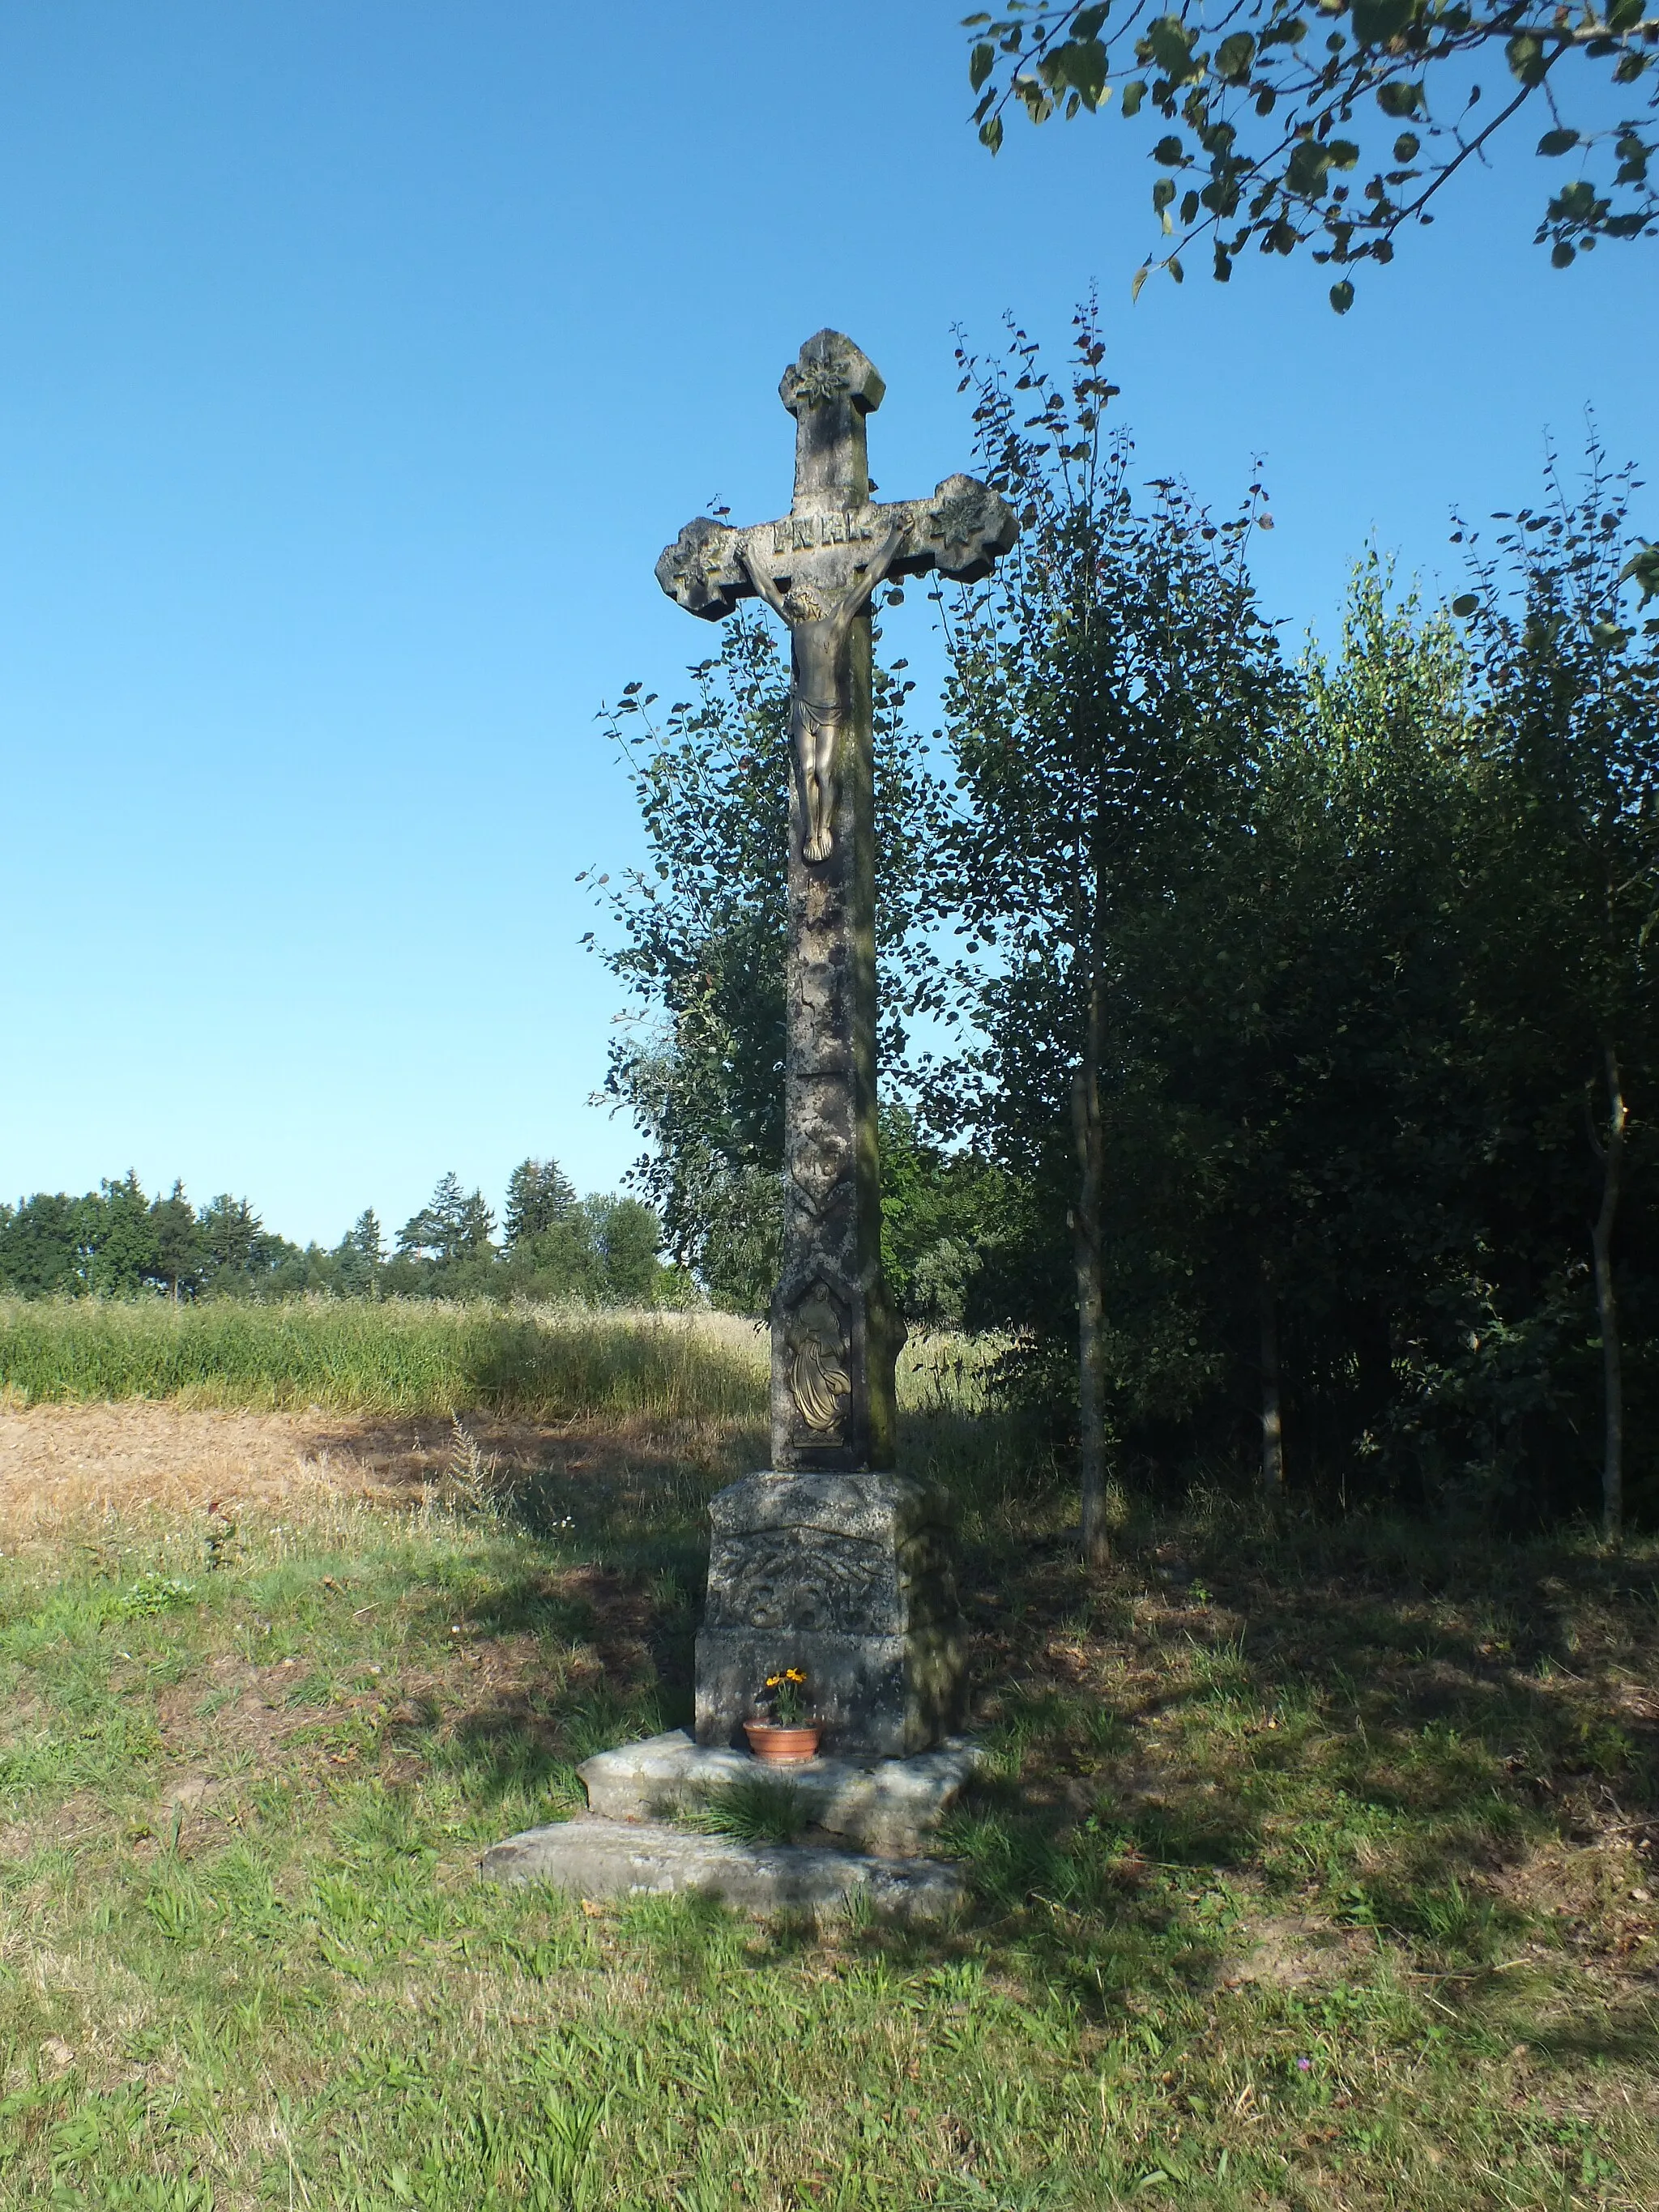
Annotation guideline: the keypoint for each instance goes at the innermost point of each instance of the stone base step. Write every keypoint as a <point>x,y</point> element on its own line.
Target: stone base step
<point>595,1858</point>
<point>889,1806</point>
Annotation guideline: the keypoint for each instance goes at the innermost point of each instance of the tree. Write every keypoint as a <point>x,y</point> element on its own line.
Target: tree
<point>539,1194</point>
<point>177,1251</point>
<point>121,1238</point>
<point>231,1233</point>
<point>701,954</point>
<point>360,1256</point>
<point>1351,1111</point>
<point>626,1236</point>
<point>1571,673</point>
<point>40,1246</point>
<point>1113,688</point>
<point>244,1259</point>
<point>451,1226</point>
<point>944,1224</point>
<point>1270,109</point>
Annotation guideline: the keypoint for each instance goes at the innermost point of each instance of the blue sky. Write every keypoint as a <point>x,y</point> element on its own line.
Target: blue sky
<point>355,362</point>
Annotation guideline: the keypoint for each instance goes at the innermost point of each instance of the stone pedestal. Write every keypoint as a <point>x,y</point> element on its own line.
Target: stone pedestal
<point>849,1578</point>
<point>892,1806</point>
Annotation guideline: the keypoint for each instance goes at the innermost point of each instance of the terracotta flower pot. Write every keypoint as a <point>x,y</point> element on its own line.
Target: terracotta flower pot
<point>783,1747</point>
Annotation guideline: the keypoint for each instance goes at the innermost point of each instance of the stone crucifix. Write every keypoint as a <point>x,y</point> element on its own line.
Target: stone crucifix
<point>834,1337</point>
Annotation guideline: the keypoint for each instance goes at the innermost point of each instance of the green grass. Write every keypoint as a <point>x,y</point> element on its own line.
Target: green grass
<point>425,1357</point>
<point>357,1355</point>
<point>1301,1877</point>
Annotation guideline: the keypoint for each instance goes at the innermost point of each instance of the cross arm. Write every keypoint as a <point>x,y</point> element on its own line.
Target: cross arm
<point>703,569</point>
<point>961,531</point>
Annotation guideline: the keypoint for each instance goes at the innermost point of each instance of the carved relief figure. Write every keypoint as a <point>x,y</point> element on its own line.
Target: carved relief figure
<point>819,1381</point>
<point>820,623</point>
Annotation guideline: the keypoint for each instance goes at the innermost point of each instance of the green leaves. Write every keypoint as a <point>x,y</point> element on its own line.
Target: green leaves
<point>1634,154</point>
<point>1376,21</point>
<point>1643,569</point>
<point>1305,172</point>
<point>1526,59</point>
<point>1080,66</point>
<point>1170,44</point>
<point>1342,296</point>
<point>981,63</point>
<point>1464,605</point>
<point>1233,58</point>
<point>1557,142</point>
<point>1576,203</point>
<point>1400,99</point>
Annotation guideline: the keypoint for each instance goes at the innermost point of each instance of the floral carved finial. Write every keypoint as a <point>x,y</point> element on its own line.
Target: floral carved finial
<point>820,381</point>
<point>830,369</point>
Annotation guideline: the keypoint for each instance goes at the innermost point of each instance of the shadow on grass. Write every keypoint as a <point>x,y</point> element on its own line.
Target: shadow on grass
<point>1387,1729</point>
<point>1302,1742</point>
<point>583,1655</point>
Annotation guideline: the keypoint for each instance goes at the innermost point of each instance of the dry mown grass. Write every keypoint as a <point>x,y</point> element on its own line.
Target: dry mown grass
<point>64,1465</point>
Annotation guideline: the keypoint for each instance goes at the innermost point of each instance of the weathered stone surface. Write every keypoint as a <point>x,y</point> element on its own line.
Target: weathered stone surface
<point>866,1554</point>
<point>889,1696</point>
<point>886,1805</point>
<point>835,1336</point>
<point>848,1581</point>
<point>616,1858</point>
<point>849,1578</point>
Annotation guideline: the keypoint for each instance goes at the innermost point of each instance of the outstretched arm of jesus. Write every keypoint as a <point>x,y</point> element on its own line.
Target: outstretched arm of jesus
<point>874,574</point>
<point>763,584</point>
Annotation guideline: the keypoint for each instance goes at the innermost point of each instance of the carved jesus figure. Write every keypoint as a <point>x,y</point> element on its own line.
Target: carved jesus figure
<point>817,639</point>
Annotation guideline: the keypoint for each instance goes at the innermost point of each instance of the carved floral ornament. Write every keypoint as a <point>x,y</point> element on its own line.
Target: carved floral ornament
<point>962,518</point>
<point>819,382</point>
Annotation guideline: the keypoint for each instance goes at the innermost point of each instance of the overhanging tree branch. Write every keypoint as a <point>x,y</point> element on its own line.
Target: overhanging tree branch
<point>1220,70</point>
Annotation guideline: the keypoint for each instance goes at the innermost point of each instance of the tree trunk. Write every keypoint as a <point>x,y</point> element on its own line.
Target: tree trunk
<point>1272,1435</point>
<point>1612,1156</point>
<point>1091,1287</point>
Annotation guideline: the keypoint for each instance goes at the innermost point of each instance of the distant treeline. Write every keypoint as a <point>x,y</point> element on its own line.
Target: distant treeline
<point>115,1242</point>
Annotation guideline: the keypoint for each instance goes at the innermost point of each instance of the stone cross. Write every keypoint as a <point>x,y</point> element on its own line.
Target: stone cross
<point>835,1336</point>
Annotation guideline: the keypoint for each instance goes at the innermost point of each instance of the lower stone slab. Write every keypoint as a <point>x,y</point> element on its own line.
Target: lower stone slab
<point>886,1805</point>
<point>595,1858</point>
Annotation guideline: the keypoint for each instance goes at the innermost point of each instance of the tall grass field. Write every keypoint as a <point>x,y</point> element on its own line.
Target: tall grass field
<point>392,1357</point>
